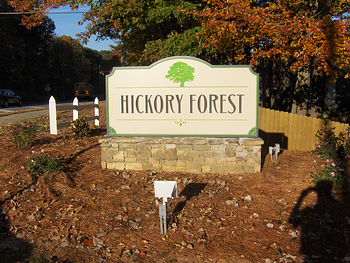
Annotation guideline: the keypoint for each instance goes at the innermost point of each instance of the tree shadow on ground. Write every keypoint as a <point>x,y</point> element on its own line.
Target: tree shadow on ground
<point>323,225</point>
<point>12,248</point>
<point>190,190</point>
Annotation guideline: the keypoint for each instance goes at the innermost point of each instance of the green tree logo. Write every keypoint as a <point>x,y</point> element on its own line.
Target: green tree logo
<point>180,72</point>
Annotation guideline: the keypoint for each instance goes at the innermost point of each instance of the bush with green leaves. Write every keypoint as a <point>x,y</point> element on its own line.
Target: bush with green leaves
<point>42,164</point>
<point>24,134</point>
<point>336,151</point>
<point>80,128</point>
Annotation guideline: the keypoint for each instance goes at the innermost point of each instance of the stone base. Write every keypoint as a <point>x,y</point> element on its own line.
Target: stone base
<point>182,154</point>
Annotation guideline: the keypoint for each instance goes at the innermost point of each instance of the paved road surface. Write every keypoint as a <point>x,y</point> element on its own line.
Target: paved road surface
<point>23,116</point>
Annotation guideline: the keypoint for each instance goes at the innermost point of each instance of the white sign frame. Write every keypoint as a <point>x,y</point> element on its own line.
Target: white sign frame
<point>183,96</point>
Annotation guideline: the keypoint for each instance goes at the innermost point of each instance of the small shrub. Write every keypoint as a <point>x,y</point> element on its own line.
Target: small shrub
<point>80,128</point>
<point>335,150</point>
<point>43,164</point>
<point>24,134</point>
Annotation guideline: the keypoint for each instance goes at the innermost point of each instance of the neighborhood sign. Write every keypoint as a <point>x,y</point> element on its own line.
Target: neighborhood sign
<point>182,96</point>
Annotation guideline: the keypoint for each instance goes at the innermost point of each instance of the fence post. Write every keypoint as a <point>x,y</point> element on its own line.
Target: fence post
<point>52,115</point>
<point>97,112</point>
<point>75,110</point>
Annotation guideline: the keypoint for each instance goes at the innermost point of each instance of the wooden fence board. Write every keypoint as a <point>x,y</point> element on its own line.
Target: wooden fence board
<point>299,131</point>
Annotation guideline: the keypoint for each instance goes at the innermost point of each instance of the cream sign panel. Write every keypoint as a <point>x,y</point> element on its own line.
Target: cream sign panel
<point>183,96</point>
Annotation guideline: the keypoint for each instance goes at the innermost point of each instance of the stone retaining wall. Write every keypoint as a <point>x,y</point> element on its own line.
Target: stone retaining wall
<point>182,154</point>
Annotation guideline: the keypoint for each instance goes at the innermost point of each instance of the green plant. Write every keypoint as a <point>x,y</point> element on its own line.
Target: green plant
<point>80,128</point>
<point>43,164</point>
<point>335,150</point>
<point>24,134</point>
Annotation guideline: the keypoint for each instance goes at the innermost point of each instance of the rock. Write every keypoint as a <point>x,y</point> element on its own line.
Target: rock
<point>174,226</point>
<point>97,242</point>
<point>230,202</point>
<point>269,225</point>
<point>189,246</point>
<point>133,224</point>
<point>248,198</point>
<point>125,175</point>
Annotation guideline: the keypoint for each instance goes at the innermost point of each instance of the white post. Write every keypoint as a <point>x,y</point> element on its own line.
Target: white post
<point>52,115</point>
<point>97,112</point>
<point>75,110</point>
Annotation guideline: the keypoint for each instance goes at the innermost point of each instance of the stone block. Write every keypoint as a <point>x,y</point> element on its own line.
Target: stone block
<point>106,155</point>
<point>104,164</point>
<point>127,146</point>
<point>130,160</point>
<point>111,165</point>
<point>250,169</point>
<point>168,163</point>
<point>221,161</point>
<point>191,154</point>
<point>144,154</point>
<point>133,166</point>
<point>168,168</point>
<point>181,169</point>
<point>206,169</point>
<point>207,154</point>
<point>233,141</point>
<point>157,153</point>
<point>218,169</point>
<point>151,166</point>
<point>170,146</point>
<point>143,147</point>
<point>210,161</point>
<point>253,159</point>
<point>120,166</point>
<point>216,141</point>
<point>132,140</point>
<point>201,147</point>
<point>235,169</point>
<point>231,150</point>
<point>218,154</point>
<point>154,160</point>
<point>194,141</point>
<point>119,156</point>
<point>217,148</point>
<point>131,154</point>
<point>170,154</point>
<point>193,167</point>
<point>180,164</point>
<point>252,141</point>
<point>150,140</point>
<point>184,147</point>
<point>142,160</point>
<point>170,140</point>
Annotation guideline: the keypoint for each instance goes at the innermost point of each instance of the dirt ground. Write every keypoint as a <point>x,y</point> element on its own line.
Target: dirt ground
<point>90,214</point>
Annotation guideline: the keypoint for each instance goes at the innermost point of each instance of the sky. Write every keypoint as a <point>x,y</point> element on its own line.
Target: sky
<point>67,24</point>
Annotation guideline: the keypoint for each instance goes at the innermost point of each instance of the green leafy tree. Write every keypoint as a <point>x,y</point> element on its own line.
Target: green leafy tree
<point>180,72</point>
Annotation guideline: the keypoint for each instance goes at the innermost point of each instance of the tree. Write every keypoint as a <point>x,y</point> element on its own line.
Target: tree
<point>133,23</point>
<point>302,33</point>
<point>308,40</point>
<point>180,72</point>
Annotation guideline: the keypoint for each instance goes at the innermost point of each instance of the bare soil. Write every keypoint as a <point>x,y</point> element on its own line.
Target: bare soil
<point>90,214</point>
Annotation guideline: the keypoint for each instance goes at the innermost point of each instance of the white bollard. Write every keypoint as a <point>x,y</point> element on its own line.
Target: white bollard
<point>97,112</point>
<point>75,110</point>
<point>52,115</point>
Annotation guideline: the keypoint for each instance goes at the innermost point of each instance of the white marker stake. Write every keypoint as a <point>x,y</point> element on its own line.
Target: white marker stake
<point>165,190</point>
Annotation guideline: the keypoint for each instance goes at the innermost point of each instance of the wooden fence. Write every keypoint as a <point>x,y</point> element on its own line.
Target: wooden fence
<point>292,131</point>
<point>75,107</point>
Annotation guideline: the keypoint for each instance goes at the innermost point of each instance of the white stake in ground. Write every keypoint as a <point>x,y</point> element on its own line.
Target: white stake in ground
<point>165,190</point>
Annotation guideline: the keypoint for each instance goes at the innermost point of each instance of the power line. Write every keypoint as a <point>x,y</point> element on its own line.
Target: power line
<point>50,13</point>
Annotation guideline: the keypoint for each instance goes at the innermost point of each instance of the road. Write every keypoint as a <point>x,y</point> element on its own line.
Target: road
<point>32,111</point>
